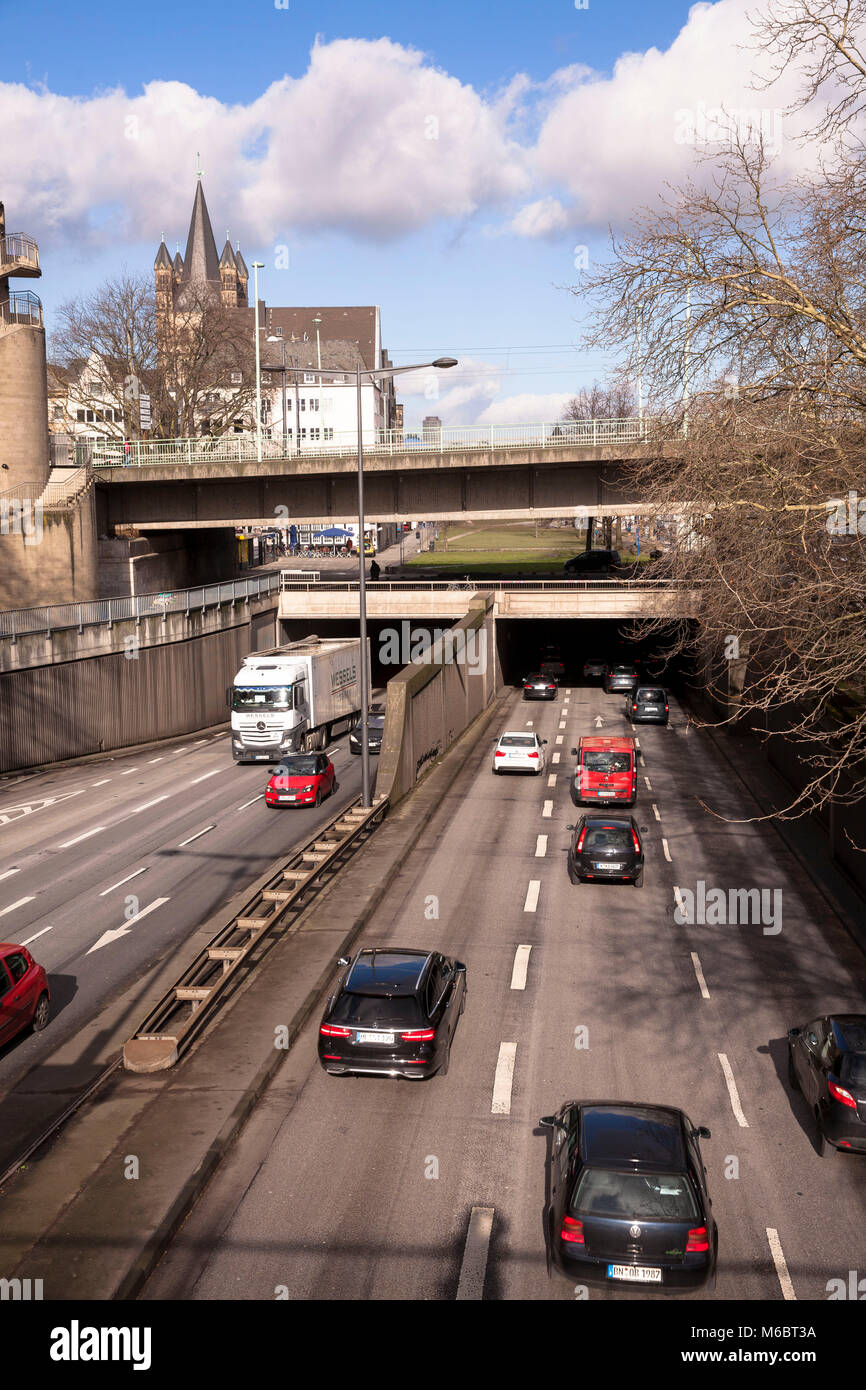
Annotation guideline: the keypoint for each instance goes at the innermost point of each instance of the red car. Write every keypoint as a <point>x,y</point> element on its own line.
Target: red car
<point>302,779</point>
<point>24,994</point>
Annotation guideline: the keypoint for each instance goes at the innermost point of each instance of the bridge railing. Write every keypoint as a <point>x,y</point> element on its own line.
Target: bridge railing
<point>240,448</point>
<point>403,586</point>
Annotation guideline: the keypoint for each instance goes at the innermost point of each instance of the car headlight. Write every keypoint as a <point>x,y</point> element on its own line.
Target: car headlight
<point>310,788</point>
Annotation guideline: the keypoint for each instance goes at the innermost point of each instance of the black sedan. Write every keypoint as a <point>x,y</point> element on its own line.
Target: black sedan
<point>539,687</point>
<point>393,1013</point>
<point>375,730</point>
<point>647,704</point>
<point>606,847</point>
<point>827,1062</point>
<point>628,1196</point>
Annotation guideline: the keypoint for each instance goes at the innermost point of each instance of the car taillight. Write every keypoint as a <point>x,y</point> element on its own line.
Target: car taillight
<point>579,846</point>
<point>552,686</point>
<point>532,755</point>
<point>666,709</point>
<point>527,685</point>
<point>636,842</point>
<point>697,1241</point>
<point>330,1030</point>
<point>634,706</point>
<point>419,1035</point>
<point>572,1230</point>
<point>839,1093</point>
<point>498,754</point>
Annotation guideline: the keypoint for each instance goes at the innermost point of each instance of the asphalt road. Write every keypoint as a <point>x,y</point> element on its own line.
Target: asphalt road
<point>108,865</point>
<point>364,1188</point>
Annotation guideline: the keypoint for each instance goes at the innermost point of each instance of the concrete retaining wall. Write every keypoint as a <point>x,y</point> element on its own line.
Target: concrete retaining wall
<point>55,562</point>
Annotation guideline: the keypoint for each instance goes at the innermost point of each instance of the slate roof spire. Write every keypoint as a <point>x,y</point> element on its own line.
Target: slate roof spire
<point>201,262</point>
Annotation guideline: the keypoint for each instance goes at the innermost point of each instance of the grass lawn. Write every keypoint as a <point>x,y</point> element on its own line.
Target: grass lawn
<point>497,549</point>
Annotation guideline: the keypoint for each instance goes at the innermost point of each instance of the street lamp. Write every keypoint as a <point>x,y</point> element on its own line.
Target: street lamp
<point>371,375</point>
<point>257,266</point>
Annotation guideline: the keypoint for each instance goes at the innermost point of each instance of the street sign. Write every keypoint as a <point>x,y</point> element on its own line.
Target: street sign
<point>145,420</point>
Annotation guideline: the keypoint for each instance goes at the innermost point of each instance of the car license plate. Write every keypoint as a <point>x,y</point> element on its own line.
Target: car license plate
<point>651,709</point>
<point>607,865</point>
<point>635,1274</point>
<point>285,796</point>
<point>374,1037</point>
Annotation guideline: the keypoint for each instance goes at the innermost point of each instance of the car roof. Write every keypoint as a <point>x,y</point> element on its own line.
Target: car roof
<point>616,1132</point>
<point>599,818</point>
<point>613,745</point>
<point>850,1030</point>
<point>513,733</point>
<point>387,970</point>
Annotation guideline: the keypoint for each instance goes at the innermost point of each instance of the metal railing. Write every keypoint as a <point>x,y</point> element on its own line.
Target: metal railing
<point>240,448</point>
<point>63,492</point>
<point>17,622</point>
<point>402,586</point>
<point>22,307</point>
<point>16,248</point>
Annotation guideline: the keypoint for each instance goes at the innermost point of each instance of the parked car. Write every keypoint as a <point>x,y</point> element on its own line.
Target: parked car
<point>827,1062</point>
<point>620,676</point>
<point>25,999</point>
<point>301,779</point>
<point>393,1012</point>
<point>606,847</point>
<point>647,704</point>
<point>539,687</point>
<point>594,666</point>
<point>592,564</point>
<point>519,752</point>
<point>629,1202</point>
<point>375,730</point>
<point>605,772</point>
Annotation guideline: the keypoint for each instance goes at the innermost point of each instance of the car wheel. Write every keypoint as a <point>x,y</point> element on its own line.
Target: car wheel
<point>792,1072</point>
<point>443,1070</point>
<point>638,882</point>
<point>318,801</point>
<point>820,1141</point>
<point>41,1013</point>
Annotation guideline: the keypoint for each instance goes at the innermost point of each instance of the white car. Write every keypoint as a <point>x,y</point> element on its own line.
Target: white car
<point>519,752</point>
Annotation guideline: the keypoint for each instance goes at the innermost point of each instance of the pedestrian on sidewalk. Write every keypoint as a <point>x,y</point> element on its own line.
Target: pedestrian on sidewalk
<point>374,571</point>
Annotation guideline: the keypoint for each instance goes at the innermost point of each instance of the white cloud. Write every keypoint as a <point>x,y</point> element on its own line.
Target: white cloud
<point>540,219</point>
<point>526,409</point>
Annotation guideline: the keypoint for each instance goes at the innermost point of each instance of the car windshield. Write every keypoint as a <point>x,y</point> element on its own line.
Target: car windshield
<point>608,837</point>
<point>651,696</point>
<point>634,1196</point>
<point>854,1069</point>
<point>607,762</point>
<point>262,697</point>
<point>517,741</point>
<point>300,766</point>
<point>622,670</point>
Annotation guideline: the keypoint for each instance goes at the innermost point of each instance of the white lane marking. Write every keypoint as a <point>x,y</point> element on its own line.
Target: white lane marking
<point>197,836</point>
<point>503,1080</point>
<point>67,844</point>
<point>781,1265</point>
<point>124,930</point>
<point>547,808</point>
<point>198,741</point>
<point>151,761</point>
<point>556,757</point>
<point>129,771</point>
<point>666,850</point>
<point>641,759</point>
<point>20,903</point>
<point>648,784</point>
<point>532,893</point>
<point>521,967</point>
<point>656,812</point>
<point>559,738</point>
<point>101,783</point>
<point>562,724</point>
<point>250,803</point>
<point>568,692</point>
<point>541,846</point>
<point>473,1270</point>
<point>732,1091</point>
<point>121,881</point>
<point>637,743</point>
<point>699,972</point>
<point>551,781</point>
<point>38,934</point>
<point>9,873</point>
<point>680,902</point>
<point>147,805</point>
<point>206,775</point>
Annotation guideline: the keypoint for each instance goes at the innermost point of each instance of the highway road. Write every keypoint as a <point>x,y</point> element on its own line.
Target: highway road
<point>364,1188</point>
<point>108,865</point>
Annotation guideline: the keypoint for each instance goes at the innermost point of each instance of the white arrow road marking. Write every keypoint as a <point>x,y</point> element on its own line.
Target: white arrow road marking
<point>20,903</point>
<point>503,1080</point>
<point>599,722</point>
<point>123,931</point>
<point>10,813</point>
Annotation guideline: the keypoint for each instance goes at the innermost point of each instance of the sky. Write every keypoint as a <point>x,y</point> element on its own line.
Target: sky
<point>453,163</point>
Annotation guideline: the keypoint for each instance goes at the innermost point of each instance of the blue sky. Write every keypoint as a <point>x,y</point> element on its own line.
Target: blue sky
<point>317,137</point>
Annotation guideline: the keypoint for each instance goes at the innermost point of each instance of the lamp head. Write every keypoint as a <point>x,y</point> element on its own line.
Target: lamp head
<point>445,362</point>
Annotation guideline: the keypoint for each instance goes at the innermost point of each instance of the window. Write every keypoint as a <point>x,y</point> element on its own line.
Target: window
<point>639,1196</point>
<point>236,378</point>
<point>5,982</point>
<point>327,433</point>
<point>89,417</point>
<point>300,695</point>
<point>58,412</point>
<point>315,433</point>
<point>278,332</point>
<point>308,378</point>
<point>17,966</point>
<point>302,434</point>
<point>327,402</point>
<point>79,415</point>
<point>302,403</point>
<point>314,402</point>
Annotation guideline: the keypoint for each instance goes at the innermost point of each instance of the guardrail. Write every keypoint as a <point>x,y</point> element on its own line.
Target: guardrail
<point>185,1008</point>
<point>474,585</point>
<point>305,576</point>
<point>15,249</point>
<point>15,622</point>
<point>22,307</point>
<point>239,448</point>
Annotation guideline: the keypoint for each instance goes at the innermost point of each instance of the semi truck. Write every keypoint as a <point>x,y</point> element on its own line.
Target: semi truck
<point>289,699</point>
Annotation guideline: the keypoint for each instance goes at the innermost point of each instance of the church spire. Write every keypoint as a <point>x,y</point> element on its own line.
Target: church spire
<point>201,262</point>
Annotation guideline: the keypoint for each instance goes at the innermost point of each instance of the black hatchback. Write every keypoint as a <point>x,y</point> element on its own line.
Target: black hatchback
<point>393,1013</point>
<point>629,1202</point>
<point>606,847</point>
<point>647,704</point>
<point>375,732</point>
<point>827,1062</point>
<point>539,687</point>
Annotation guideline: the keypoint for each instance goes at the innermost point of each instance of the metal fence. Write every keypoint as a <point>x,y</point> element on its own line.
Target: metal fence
<point>16,248</point>
<point>16,622</point>
<point>22,307</point>
<point>240,448</point>
<point>402,586</point>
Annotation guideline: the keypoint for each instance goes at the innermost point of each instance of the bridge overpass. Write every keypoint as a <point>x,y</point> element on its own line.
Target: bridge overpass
<point>553,469</point>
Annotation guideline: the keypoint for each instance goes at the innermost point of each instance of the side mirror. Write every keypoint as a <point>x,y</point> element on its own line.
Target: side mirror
<point>644,829</point>
<point>344,960</point>
<point>548,1121</point>
<point>794,1032</point>
<point>544,740</point>
<point>574,752</point>
<point>702,1132</point>
<point>571,827</point>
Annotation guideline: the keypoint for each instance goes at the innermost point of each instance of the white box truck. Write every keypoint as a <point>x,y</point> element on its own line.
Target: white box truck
<point>290,698</point>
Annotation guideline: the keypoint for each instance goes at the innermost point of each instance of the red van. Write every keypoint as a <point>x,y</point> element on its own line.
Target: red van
<point>605,773</point>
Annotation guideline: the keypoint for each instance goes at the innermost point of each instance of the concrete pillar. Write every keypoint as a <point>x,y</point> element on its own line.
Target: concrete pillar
<point>24,453</point>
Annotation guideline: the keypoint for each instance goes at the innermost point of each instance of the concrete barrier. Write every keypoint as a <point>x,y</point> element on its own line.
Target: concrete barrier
<point>434,699</point>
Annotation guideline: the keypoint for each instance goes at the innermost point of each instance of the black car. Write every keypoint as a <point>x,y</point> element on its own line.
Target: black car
<point>606,847</point>
<point>375,730</point>
<point>539,687</point>
<point>620,676</point>
<point>594,666</point>
<point>590,564</point>
<point>393,1013</point>
<point>628,1196</point>
<point>647,704</point>
<point>827,1062</point>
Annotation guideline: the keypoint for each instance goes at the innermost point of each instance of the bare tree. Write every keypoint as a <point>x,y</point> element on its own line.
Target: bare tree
<point>612,402</point>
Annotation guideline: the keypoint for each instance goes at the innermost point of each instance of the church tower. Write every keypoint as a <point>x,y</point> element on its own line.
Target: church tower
<point>229,276</point>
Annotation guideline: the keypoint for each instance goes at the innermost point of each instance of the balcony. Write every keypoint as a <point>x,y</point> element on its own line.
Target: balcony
<point>23,307</point>
<point>19,255</point>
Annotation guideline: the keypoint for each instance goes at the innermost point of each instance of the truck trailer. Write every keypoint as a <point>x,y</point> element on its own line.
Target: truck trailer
<point>291,698</point>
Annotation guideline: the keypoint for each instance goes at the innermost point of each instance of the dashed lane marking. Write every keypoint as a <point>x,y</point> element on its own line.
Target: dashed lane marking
<point>532,893</point>
<point>732,1091</point>
<point>540,846</point>
<point>521,967</point>
<point>504,1079</point>
<point>473,1270</point>
<point>699,972</point>
<point>781,1265</point>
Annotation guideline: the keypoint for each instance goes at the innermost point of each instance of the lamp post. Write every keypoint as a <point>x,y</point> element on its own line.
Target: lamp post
<point>370,375</point>
<point>257,266</point>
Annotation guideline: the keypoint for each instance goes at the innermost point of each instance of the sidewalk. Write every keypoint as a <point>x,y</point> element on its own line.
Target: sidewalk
<point>93,1213</point>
